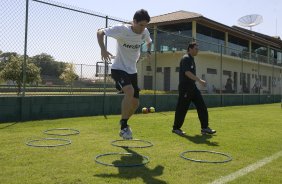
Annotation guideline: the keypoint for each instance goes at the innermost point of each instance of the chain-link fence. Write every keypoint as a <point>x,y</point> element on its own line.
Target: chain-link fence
<point>61,41</point>
<point>56,35</point>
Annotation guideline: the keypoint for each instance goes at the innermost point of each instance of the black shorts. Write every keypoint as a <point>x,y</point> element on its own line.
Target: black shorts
<point>123,79</point>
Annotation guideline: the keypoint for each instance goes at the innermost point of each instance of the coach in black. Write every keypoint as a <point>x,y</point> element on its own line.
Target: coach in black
<point>188,92</point>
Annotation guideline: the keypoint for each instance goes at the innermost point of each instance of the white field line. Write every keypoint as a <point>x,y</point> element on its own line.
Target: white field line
<point>247,169</point>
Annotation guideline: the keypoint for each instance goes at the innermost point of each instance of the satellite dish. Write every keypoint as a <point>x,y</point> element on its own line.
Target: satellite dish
<point>250,20</point>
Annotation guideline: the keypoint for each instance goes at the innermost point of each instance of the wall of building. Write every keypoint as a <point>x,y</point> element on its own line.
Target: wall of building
<point>240,69</point>
<point>165,59</point>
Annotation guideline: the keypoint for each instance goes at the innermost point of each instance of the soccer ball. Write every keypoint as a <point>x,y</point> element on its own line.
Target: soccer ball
<point>152,109</point>
<point>144,110</point>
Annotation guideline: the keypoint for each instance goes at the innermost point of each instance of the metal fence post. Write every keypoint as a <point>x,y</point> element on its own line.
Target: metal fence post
<point>25,48</point>
<point>220,76</point>
<point>105,74</point>
<point>155,57</point>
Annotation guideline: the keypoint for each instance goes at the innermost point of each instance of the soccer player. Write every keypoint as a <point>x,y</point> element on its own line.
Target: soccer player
<point>124,72</point>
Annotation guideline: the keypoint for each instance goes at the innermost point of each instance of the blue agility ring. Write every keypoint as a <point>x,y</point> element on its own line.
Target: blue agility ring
<point>229,158</point>
<point>149,144</point>
<point>122,165</point>
<point>49,131</point>
<point>66,142</point>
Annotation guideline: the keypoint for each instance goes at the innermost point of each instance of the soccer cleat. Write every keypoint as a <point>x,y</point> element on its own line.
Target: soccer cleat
<point>178,132</point>
<point>207,131</point>
<point>126,133</point>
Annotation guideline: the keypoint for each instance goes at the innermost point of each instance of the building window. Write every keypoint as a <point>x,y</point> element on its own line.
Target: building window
<point>279,57</point>
<point>211,71</point>
<point>237,47</point>
<point>159,69</point>
<point>177,69</point>
<point>209,39</point>
<point>259,49</point>
<point>242,78</point>
<point>264,81</point>
<point>180,28</point>
<point>211,33</point>
<point>148,68</point>
<point>168,39</point>
<point>225,72</point>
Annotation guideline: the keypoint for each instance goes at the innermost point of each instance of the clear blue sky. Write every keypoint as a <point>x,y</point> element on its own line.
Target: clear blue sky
<point>226,12</point>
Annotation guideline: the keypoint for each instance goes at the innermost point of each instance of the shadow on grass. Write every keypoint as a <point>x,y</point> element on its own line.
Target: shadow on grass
<point>143,172</point>
<point>6,126</point>
<point>200,139</point>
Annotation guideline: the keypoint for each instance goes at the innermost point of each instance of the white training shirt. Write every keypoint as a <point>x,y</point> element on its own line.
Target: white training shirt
<point>128,46</point>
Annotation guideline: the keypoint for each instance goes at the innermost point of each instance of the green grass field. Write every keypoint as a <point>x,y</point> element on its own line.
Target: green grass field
<point>247,133</point>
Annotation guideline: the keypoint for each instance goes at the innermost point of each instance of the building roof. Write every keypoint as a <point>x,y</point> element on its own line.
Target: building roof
<point>276,39</point>
<point>174,16</point>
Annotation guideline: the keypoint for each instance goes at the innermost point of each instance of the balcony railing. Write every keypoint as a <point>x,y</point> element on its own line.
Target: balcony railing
<point>172,43</point>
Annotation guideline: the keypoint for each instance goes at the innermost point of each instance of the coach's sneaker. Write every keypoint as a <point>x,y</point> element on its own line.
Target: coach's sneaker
<point>207,131</point>
<point>178,132</point>
<point>126,133</point>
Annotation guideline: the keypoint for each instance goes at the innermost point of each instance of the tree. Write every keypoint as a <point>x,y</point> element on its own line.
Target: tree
<point>49,67</point>
<point>1,80</point>
<point>8,54</point>
<point>5,57</point>
<point>13,71</point>
<point>69,75</point>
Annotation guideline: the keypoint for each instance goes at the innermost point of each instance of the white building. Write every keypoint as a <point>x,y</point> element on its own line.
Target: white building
<point>245,55</point>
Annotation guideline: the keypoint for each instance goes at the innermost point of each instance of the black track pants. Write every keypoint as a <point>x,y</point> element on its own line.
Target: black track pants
<point>184,100</point>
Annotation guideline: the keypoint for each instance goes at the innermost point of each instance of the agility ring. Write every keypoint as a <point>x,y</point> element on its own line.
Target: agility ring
<point>148,144</point>
<point>229,158</point>
<point>65,142</point>
<point>49,131</point>
<point>122,165</point>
